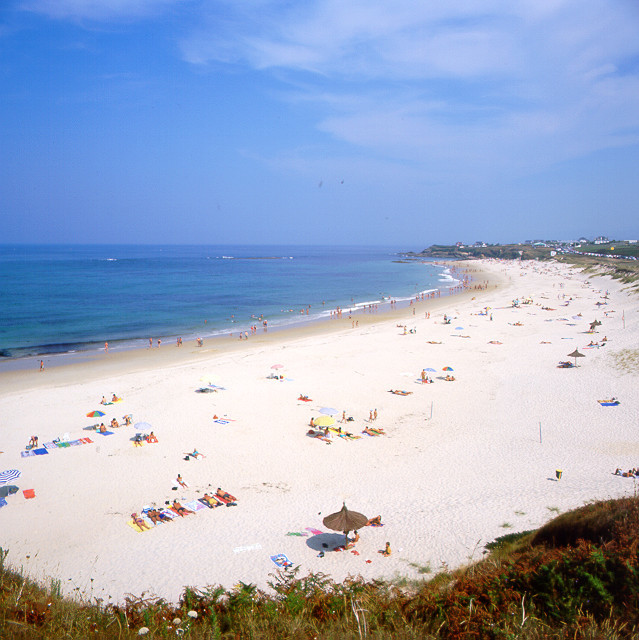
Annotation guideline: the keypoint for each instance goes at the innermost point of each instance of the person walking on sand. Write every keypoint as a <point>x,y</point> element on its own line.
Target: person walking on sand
<point>375,414</point>
<point>106,347</point>
<point>41,365</point>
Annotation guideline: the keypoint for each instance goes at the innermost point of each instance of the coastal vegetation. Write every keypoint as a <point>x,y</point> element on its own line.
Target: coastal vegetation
<point>575,577</point>
<point>596,260</point>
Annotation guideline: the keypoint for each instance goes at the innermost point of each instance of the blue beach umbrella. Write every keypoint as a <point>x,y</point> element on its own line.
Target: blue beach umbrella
<point>431,370</point>
<point>142,426</point>
<point>459,328</point>
<point>9,474</point>
<point>329,411</point>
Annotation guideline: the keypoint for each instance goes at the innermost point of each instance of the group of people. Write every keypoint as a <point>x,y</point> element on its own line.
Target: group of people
<point>114,398</point>
<point>157,516</point>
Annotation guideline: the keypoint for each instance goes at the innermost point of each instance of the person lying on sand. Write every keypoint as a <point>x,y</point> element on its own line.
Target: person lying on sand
<point>373,432</point>
<point>210,500</point>
<point>179,509</point>
<point>450,378</point>
<point>156,517</point>
<point>375,522</point>
<point>140,522</point>
<point>400,392</point>
<point>433,342</point>
<point>224,495</point>
<point>195,454</point>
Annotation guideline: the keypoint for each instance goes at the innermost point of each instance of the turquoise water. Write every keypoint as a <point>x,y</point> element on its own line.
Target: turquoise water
<point>64,299</point>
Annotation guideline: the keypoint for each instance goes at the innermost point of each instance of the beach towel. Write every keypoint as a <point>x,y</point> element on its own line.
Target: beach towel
<point>194,505</point>
<point>315,532</point>
<point>607,403</point>
<point>281,561</point>
<point>62,445</point>
<point>3,503</point>
<point>102,433</point>
<point>40,452</point>
<point>86,440</point>
<point>248,547</point>
<point>50,445</point>
<point>29,493</point>
<point>220,421</point>
<point>169,514</point>
<point>26,454</point>
<point>297,533</point>
<point>74,443</point>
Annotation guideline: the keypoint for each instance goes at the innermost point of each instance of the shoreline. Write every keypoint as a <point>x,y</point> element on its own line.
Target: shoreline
<point>169,354</point>
<point>460,464</point>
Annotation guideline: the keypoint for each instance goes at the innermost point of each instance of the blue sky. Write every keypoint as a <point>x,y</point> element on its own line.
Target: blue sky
<point>325,121</point>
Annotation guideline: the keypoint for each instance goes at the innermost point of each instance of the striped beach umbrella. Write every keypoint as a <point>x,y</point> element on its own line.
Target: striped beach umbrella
<point>95,414</point>
<point>8,475</point>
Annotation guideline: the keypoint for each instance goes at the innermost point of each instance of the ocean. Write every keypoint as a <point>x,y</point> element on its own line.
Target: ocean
<point>66,299</point>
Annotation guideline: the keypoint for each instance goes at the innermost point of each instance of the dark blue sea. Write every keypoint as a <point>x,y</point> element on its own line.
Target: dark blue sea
<point>66,299</point>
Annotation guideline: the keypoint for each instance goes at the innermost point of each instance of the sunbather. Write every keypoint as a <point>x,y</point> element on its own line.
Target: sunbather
<point>181,482</point>
<point>102,428</point>
<point>225,496</point>
<point>140,522</point>
<point>154,516</point>
<point>114,423</point>
<point>387,550</point>
<point>375,522</point>
<point>179,509</point>
<point>151,437</point>
<point>211,501</point>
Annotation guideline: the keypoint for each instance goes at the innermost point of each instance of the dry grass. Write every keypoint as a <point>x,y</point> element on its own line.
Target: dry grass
<point>626,360</point>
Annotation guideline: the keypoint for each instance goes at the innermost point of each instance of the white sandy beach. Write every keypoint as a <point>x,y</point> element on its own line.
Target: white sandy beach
<point>444,486</point>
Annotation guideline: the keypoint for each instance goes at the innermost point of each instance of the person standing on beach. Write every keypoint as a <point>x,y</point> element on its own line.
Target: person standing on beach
<point>150,343</point>
<point>106,347</point>
<point>41,365</point>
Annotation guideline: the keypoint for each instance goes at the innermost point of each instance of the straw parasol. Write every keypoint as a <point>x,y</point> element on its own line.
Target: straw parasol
<point>575,354</point>
<point>345,520</point>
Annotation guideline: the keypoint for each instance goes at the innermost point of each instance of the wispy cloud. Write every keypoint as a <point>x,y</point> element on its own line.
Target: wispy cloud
<point>476,82</point>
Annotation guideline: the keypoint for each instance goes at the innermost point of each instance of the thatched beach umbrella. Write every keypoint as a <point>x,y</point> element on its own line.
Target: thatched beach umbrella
<point>345,520</point>
<point>575,354</point>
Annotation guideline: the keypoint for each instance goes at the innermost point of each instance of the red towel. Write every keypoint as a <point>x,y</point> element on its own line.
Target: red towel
<point>29,493</point>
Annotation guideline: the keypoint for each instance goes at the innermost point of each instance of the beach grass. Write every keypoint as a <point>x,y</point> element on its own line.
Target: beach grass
<point>575,577</point>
